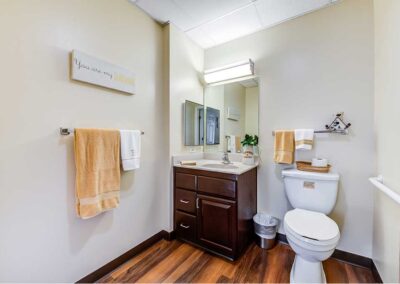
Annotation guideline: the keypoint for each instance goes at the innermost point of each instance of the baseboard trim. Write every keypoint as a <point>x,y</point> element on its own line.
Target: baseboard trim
<point>353,258</point>
<point>348,257</point>
<point>107,268</point>
<point>376,274</point>
<point>281,238</point>
<point>169,236</point>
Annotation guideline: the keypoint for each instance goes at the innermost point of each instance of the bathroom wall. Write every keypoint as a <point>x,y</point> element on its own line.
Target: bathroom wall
<point>182,66</point>
<point>186,61</point>
<point>252,98</point>
<point>310,68</point>
<point>386,242</point>
<point>42,240</point>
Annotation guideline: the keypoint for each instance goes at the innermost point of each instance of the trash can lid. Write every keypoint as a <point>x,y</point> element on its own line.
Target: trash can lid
<point>265,220</point>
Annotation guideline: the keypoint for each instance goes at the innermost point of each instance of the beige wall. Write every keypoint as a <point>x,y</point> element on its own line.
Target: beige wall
<point>252,97</point>
<point>42,240</point>
<point>386,251</point>
<point>183,67</point>
<point>186,61</point>
<point>310,68</point>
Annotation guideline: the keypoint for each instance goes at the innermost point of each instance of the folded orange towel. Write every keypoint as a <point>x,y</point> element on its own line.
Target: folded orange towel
<point>97,161</point>
<point>284,147</point>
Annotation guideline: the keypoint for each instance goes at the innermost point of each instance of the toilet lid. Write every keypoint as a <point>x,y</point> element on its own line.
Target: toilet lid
<point>313,225</point>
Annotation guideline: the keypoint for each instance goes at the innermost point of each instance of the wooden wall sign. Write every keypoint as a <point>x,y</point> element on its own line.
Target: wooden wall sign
<point>86,68</point>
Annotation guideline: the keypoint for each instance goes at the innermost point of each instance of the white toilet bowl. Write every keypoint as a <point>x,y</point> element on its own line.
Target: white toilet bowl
<point>313,236</point>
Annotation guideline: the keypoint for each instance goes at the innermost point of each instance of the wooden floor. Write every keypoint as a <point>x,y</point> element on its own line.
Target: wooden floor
<point>174,261</point>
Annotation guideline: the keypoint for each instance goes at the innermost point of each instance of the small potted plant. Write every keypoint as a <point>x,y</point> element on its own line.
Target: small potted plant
<point>250,148</point>
<point>250,144</point>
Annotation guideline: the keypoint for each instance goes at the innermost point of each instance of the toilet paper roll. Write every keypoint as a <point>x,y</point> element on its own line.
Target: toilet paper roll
<point>318,162</point>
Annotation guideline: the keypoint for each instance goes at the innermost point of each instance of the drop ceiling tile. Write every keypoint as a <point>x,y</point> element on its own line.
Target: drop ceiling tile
<point>165,11</point>
<point>211,22</point>
<point>235,25</point>
<point>200,37</point>
<point>203,11</point>
<point>272,12</point>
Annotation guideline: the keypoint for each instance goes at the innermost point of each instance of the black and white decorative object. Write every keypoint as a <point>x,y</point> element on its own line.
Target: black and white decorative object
<point>338,125</point>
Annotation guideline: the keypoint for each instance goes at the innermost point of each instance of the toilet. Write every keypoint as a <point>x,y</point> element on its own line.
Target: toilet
<point>310,232</point>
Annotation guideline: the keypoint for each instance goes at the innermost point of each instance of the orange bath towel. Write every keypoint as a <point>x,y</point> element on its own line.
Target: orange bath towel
<point>284,147</point>
<point>97,161</point>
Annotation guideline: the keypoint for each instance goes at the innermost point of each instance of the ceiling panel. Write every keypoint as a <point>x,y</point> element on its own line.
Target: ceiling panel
<point>232,26</point>
<point>212,22</point>
<point>200,37</point>
<point>203,11</point>
<point>272,12</point>
<point>165,11</point>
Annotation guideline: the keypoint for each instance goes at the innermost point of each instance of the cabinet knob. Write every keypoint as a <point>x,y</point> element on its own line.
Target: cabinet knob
<point>184,201</point>
<point>184,226</point>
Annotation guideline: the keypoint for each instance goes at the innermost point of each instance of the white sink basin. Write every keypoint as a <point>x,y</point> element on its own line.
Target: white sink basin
<point>220,166</point>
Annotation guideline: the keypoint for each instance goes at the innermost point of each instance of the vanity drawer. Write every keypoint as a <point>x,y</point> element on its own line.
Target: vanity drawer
<point>185,200</point>
<point>217,186</point>
<point>185,181</point>
<point>185,226</point>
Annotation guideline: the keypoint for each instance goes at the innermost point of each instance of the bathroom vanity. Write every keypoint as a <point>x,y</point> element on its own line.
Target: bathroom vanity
<point>214,202</point>
<point>213,208</point>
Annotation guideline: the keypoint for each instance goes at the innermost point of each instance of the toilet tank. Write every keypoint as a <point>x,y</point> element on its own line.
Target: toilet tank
<point>311,191</point>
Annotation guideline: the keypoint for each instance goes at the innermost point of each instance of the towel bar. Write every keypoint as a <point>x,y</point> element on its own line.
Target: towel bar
<point>342,131</point>
<point>337,126</point>
<point>68,131</point>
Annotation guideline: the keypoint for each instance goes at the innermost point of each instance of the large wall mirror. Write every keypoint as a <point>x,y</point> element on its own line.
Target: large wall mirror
<point>231,116</point>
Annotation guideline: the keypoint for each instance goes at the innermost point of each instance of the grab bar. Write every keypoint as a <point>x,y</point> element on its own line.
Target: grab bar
<point>378,182</point>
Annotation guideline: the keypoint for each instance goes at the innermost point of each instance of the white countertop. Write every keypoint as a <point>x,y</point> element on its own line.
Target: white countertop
<point>201,164</point>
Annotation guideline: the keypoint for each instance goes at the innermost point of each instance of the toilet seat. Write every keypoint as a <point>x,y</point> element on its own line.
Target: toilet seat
<point>310,227</point>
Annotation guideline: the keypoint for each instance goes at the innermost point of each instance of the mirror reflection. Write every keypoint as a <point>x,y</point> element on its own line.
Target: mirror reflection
<point>194,124</point>
<point>232,117</point>
<point>212,126</point>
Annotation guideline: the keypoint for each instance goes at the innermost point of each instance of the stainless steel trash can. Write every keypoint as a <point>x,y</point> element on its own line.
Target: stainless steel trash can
<point>265,227</point>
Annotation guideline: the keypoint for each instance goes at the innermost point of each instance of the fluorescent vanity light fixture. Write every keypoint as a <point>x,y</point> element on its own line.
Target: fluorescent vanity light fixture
<point>229,72</point>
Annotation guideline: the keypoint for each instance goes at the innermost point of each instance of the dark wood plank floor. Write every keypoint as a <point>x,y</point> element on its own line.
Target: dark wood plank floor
<point>174,261</point>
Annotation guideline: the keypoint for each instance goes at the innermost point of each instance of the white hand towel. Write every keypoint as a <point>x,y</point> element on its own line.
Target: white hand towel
<point>304,139</point>
<point>130,149</point>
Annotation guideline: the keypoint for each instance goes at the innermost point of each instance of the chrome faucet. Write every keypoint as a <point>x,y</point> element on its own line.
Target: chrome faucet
<point>225,158</point>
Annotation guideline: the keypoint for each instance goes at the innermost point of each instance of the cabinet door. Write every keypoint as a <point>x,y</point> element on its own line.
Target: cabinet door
<point>217,224</point>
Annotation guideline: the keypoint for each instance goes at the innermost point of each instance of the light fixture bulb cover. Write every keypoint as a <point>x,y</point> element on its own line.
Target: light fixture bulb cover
<point>229,72</point>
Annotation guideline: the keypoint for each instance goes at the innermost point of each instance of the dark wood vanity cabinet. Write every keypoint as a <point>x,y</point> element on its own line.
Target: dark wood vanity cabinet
<point>215,210</point>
